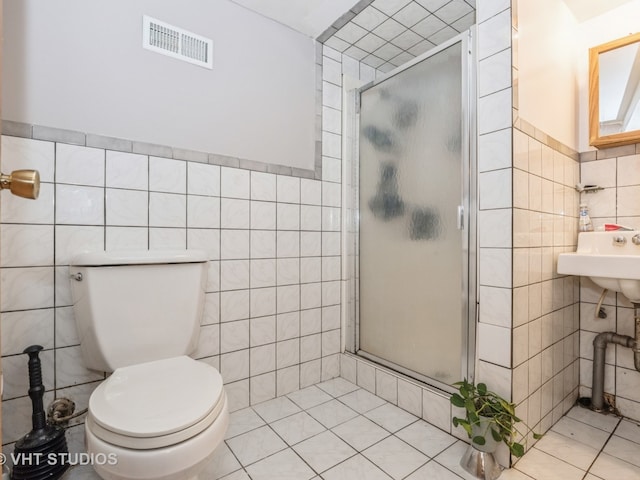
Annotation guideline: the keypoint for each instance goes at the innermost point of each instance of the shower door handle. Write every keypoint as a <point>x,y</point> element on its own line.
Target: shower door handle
<point>460,217</point>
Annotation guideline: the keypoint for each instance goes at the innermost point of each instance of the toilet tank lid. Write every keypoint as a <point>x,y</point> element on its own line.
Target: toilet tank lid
<point>138,257</point>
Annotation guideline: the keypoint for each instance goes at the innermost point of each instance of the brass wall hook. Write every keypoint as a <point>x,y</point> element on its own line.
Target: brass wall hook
<point>23,183</point>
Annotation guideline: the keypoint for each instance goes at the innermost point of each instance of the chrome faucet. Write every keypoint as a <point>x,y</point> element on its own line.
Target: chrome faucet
<point>636,239</point>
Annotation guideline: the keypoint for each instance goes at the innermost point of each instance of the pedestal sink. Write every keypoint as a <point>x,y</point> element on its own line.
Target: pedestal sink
<point>610,259</point>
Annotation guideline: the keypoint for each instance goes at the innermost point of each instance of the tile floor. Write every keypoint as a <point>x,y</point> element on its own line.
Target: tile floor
<point>338,431</point>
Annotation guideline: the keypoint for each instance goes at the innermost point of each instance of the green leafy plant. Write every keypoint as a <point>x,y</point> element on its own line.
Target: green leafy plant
<point>479,402</point>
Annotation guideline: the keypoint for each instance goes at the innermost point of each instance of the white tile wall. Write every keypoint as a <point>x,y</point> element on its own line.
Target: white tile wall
<point>545,310</point>
<point>17,152</point>
<point>263,233</point>
<point>127,170</point>
<point>494,32</point>
<point>79,165</point>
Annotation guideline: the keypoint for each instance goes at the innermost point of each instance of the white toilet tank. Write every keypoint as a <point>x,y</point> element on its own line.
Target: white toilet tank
<point>138,306</point>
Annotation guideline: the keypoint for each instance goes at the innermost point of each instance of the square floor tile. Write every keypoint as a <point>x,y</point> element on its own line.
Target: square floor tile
<point>426,438</point>
<point>433,471</point>
<point>275,409</point>
<point>297,427</point>
<point>361,401</point>
<point>603,422</point>
<point>581,432</point>
<point>324,451</point>
<point>360,432</point>
<point>540,465</point>
<point>391,417</point>
<point>571,451</point>
<point>337,387</point>
<point>309,397</point>
<point>623,449</point>
<point>284,465</point>
<point>612,468</point>
<point>356,468</point>
<point>395,457</point>
<point>512,474</point>
<point>629,430</point>
<point>242,421</point>
<point>239,475</point>
<point>332,413</point>
<point>223,463</point>
<point>256,445</point>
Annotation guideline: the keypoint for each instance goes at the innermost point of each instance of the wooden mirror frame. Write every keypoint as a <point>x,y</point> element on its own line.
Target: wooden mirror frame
<point>616,139</point>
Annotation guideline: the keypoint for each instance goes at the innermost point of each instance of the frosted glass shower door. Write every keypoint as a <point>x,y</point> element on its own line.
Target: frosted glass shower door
<point>413,157</point>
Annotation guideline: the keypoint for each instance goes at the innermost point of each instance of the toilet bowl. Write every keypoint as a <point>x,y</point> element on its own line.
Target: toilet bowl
<point>159,420</point>
<point>161,414</point>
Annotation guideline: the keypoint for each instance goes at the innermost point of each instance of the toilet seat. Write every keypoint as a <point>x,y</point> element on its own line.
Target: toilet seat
<point>156,404</point>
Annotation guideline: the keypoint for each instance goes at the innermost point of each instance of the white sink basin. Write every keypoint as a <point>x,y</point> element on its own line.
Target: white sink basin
<point>610,259</point>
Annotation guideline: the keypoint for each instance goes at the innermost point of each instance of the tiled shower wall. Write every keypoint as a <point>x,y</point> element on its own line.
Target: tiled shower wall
<point>528,319</point>
<point>272,315</point>
<point>397,389</point>
<point>495,173</point>
<point>528,322</point>
<point>617,170</point>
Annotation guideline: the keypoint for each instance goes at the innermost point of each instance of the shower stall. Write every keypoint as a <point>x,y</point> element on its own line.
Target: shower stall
<point>411,243</point>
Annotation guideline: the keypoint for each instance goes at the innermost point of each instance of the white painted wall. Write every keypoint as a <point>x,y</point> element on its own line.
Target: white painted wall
<point>602,29</point>
<point>80,65</point>
<point>547,66</point>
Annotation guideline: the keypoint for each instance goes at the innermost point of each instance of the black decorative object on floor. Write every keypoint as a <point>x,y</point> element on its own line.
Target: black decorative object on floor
<point>42,453</point>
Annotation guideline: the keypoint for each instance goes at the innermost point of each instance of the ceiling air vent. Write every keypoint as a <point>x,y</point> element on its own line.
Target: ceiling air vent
<point>176,42</point>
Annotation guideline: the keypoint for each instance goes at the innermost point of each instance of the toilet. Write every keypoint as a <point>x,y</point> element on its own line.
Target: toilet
<point>161,414</point>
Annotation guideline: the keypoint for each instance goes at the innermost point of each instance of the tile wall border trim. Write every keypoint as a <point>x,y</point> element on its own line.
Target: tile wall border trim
<point>548,140</point>
<point>39,132</point>
<point>588,156</point>
<point>611,152</point>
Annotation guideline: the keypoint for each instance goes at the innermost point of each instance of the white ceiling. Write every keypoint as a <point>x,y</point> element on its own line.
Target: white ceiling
<point>312,17</point>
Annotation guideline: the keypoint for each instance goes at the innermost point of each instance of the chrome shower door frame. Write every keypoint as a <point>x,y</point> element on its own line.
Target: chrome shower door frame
<point>351,304</point>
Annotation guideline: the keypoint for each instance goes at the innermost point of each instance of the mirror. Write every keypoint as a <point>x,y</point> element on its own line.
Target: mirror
<point>614,92</point>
